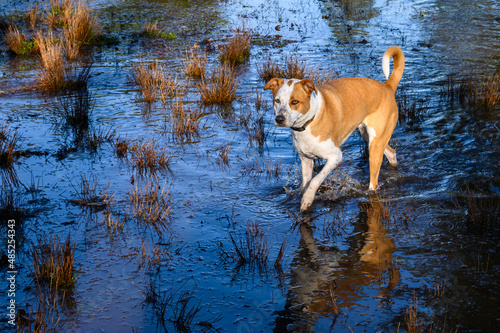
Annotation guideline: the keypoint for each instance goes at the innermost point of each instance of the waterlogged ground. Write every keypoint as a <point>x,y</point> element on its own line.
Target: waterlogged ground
<point>357,262</point>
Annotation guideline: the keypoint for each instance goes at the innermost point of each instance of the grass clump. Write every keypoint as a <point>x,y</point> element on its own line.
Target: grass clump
<point>481,93</point>
<point>8,156</point>
<point>294,68</point>
<point>87,195</point>
<point>53,261</point>
<point>59,12</point>
<point>83,23</point>
<point>153,81</point>
<point>147,157</point>
<point>473,93</point>
<point>220,87</point>
<point>194,63</point>
<point>19,43</point>
<point>53,74</point>
<point>76,107</point>
<point>252,248</point>
<point>151,204</point>
<point>32,16</point>
<point>185,122</point>
<point>151,30</point>
<point>237,48</point>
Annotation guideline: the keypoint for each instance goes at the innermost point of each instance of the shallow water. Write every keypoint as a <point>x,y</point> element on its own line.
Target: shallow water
<point>358,261</point>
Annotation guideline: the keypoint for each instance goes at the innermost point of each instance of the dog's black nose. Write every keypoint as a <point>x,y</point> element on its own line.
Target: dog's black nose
<point>279,119</point>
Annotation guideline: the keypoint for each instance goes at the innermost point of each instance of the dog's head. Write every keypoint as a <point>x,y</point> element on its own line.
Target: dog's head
<point>291,99</point>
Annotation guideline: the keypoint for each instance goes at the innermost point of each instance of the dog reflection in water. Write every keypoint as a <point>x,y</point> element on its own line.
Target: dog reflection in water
<point>324,280</point>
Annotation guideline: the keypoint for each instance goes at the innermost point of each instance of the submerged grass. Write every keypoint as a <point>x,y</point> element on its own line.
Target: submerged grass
<point>53,261</point>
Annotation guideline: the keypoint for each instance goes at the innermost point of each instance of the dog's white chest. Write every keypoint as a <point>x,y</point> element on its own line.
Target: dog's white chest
<point>310,146</point>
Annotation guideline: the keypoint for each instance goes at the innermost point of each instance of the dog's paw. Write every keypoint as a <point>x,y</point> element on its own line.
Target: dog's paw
<point>306,202</point>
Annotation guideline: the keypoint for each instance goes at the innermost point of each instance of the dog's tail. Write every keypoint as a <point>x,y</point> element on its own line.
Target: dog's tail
<point>399,66</point>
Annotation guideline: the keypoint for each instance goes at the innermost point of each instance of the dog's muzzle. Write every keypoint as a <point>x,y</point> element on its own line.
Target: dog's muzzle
<point>280,119</point>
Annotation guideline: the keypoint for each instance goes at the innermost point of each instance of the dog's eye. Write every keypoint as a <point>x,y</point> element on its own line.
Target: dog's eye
<point>295,102</point>
<point>277,101</point>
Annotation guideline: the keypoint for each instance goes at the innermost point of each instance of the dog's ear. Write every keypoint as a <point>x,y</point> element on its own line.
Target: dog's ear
<point>308,86</point>
<point>274,84</point>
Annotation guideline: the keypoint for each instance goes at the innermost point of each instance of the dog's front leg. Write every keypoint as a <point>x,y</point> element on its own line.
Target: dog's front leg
<point>307,165</point>
<point>332,162</point>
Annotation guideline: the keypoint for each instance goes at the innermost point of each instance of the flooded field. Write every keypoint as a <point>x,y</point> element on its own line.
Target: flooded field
<point>179,215</point>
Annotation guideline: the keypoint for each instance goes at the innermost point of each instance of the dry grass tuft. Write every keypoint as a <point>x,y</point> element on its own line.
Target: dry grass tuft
<point>53,261</point>
<point>294,68</point>
<point>252,249</point>
<point>32,16</point>
<point>185,123</point>
<point>413,324</point>
<point>237,48</point>
<point>121,146</point>
<point>480,93</point>
<point>88,196</point>
<point>71,43</point>
<point>154,81</point>
<point>18,42</point>
<point>194,62</point>
<point>151,29</point>
<point>151,204</point>
<point>220,87</point>
<point>473,93</point>
<point>53,74</point>
<point>59,13</point>
<point>45,319</point>
<point>270,69</point>
<point>147,157</point>
<point>113,224</point>
<point>83,24</point>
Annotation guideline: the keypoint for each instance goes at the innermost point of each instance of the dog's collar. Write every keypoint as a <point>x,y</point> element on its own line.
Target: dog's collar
<point>303,127</point>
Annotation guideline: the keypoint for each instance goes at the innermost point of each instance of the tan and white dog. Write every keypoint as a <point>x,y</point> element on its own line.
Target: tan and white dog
<point>322,118</point>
